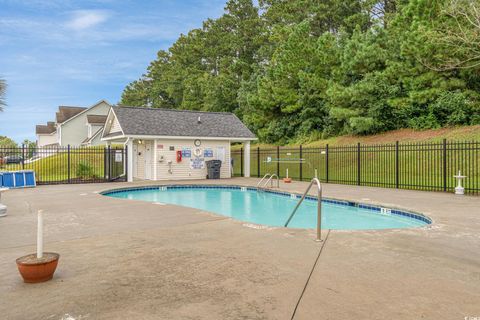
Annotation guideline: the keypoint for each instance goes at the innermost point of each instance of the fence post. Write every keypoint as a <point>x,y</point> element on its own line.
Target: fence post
<point>104,163</point>
<point>397,172</point>
<point>258,162</point>
<point>68,164</point>
<point>301,169</point>
<point>278,161</point>
<point>444,164</point>
<point>326,162</point>
<point>23,156</point>
<point>241,162</point>
<point>109,162</point>
<point>358,164</point>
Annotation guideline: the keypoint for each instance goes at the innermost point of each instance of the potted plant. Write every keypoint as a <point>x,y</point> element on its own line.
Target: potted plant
<point>41,266</point>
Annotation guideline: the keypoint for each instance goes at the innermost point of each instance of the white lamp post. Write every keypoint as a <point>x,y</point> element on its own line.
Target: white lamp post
<point>459,189</point>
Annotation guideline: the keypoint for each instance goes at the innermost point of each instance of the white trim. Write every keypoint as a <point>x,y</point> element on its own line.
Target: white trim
<point>233,139</point>
<point>106,124</point>
<point>59,130</point>
<point>92,137</point>
<point>130,160</point>
<point>46,134</point>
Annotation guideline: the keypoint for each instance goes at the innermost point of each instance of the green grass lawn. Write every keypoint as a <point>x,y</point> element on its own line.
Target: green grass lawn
<point>85,163</point>
<point>420,165</point>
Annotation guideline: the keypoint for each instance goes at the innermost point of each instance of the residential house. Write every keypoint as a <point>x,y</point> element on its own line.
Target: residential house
<point>74,126</point>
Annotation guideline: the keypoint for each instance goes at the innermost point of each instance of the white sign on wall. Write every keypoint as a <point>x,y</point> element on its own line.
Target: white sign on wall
<point>221,154</point>
<point>118,156</point>
<point>197,163</point>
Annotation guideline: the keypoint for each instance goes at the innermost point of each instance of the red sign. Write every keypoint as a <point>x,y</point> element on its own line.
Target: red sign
<point>160,146</point>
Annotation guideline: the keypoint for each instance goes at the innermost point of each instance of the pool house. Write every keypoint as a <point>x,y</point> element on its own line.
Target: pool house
<point>166,144</point>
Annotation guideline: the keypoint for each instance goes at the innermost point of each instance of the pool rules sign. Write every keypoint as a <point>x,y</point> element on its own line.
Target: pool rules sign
<point>197,163</point>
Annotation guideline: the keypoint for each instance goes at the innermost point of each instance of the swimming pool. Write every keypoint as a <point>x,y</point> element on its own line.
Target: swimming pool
<point>272,208</point>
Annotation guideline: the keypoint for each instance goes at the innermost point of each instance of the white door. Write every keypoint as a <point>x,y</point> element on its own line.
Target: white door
<point>138,163</point>
<point>148,160</point>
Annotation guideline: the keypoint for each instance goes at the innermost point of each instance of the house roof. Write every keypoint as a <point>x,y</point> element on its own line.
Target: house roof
<point>96,119</point>
<point>169,122</point>
<point>65,112</point>
<point>45,129</point>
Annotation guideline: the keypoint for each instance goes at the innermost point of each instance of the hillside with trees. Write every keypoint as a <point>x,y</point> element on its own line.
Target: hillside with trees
<point>307,69</point>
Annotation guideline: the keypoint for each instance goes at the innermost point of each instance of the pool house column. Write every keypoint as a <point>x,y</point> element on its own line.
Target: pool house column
<point>246,159</point>
<point>130,159</point>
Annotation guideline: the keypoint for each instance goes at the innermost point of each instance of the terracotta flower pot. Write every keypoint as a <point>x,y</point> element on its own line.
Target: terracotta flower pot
<point>34,270</point>
<point>287,180</point>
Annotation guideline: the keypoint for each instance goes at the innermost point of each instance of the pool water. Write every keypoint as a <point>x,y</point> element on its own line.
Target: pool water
<point>273,209</point>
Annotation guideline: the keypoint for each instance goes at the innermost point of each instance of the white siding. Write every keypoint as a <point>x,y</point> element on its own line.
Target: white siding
<point>181,170</point>
<point>115,126</point>
<point>46,139</point>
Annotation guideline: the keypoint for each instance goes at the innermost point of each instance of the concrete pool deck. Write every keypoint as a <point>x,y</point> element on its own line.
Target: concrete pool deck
<point>127,259</point>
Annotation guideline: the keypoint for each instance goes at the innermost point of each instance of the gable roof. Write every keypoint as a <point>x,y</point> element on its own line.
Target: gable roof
<point>88,140</point>
<point>180,123</point>
<point>64,113</point>
<point>45,129</point>
<point>96,119</point>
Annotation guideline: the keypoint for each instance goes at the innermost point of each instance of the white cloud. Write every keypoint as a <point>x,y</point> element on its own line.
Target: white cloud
<point>86,19</point>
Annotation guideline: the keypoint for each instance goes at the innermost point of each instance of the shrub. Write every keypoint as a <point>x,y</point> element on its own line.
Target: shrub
<point>85,170</point>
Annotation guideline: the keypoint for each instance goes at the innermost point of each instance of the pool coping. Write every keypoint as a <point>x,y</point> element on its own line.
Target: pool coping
<point>378,208</point>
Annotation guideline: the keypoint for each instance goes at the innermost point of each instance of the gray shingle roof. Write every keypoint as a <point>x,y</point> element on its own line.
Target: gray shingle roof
<point>169,122</point>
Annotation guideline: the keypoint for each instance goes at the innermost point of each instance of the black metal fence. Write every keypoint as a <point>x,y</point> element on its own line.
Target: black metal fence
<point>420,166</point>
<point>57,165</point>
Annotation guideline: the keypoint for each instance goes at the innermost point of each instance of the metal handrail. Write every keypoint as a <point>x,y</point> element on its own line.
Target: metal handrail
<point>319,207</point>
<point>271,181</point>
<point>266,175</point>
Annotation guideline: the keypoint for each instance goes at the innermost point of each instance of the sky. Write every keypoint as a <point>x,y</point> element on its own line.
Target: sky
<point>67,52</point>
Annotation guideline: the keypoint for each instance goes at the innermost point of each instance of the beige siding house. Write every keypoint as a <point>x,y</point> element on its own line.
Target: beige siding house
<point>46,134</point>
<point>74,126</point>
<point>166,144</point>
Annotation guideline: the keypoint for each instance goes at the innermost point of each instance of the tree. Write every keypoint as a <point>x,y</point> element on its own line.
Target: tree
<point>300,69</point>
<point>452,36</point>
<point>30,147</point>
<point>7,146</point>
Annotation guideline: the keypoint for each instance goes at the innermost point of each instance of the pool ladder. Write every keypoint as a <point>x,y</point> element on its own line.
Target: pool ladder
<point>319,207</point>
<point>270,179</point>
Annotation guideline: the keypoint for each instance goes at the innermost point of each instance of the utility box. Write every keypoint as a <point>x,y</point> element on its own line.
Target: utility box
<point>213,169</point>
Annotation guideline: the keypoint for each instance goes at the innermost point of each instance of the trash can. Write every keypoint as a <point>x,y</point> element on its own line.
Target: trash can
<point>213,169</point>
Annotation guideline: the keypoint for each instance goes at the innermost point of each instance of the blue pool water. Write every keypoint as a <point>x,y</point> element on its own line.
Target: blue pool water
<point>273,209</point>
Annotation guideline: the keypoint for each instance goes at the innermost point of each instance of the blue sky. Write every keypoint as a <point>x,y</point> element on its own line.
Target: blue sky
<point>66,52</point>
